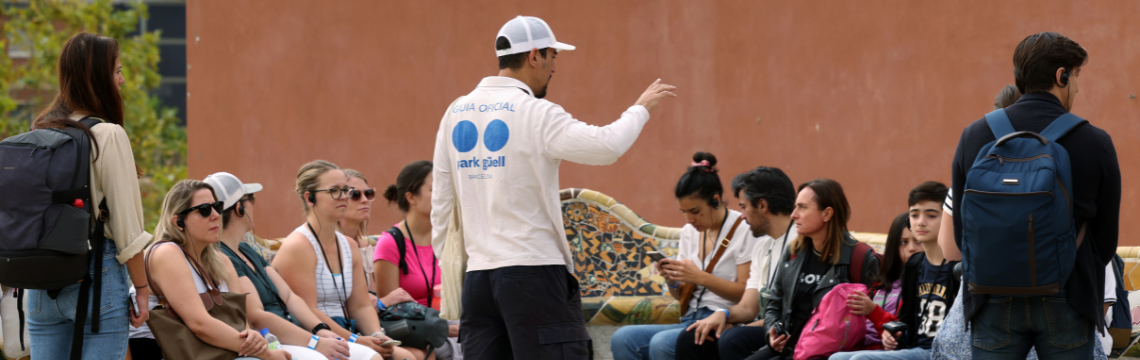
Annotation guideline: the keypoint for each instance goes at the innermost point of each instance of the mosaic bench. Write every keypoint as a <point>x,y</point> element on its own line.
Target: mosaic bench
<point>620,286</point>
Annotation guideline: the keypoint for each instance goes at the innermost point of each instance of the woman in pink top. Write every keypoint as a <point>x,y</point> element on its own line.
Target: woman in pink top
<point>419,272</point>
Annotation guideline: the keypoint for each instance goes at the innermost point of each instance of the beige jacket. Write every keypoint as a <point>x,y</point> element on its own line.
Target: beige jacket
<point>113,177</point>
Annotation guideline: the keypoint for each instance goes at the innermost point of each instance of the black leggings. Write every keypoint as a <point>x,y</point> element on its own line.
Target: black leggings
<point>144,349</point>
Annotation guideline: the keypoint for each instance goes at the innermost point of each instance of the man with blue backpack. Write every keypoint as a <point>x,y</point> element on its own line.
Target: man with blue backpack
<point>1040,208</point>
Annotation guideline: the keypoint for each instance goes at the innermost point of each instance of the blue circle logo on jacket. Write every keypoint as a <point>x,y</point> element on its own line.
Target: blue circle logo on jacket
<point>496,135</point>
<point>465,136</point>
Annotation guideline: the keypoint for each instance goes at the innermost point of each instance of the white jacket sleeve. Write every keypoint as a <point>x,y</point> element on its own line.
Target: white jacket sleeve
<point>442,189</point>
<point>566,138</point>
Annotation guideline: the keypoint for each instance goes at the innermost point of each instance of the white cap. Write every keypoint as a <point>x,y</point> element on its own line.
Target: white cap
<point>526,33</point>
<point>229,189</point>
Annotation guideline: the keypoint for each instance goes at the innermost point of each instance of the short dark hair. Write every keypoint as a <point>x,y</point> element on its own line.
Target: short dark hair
<point>928,191</point>
<point>1037,57</point>
<point>768,183</point>
<point>700,180</point>
<point>410,180</point>
<point>512,61</point>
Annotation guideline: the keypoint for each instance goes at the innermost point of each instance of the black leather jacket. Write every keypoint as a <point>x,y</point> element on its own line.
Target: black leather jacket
<point>783,288</point>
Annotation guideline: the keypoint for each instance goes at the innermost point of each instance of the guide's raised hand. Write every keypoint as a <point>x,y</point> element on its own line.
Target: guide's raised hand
<point>654,94</point>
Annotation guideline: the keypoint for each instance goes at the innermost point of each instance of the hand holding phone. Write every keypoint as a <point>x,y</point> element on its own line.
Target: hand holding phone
<point>655,255</point>
<point>134,301</point>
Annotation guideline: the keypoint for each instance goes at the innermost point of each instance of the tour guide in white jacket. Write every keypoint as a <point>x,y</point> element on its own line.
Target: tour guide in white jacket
<point>497,154</point>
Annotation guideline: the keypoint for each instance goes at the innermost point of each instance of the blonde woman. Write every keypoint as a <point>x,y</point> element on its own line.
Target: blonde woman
<point>324,268</point>
<point>355,223</point>
<point>186,253</point>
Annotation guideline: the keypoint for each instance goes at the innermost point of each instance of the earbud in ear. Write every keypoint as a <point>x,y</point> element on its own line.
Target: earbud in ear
<point>1065,78</point>
<point>313,198</point>
<point>240,209</point>
<point>181,225</point>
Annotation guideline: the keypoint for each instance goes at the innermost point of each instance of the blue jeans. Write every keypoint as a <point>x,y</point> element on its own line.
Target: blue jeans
<point>1007,327</point>
<point>903,354</point>
<point>652,342</point>
<point>51,322</point>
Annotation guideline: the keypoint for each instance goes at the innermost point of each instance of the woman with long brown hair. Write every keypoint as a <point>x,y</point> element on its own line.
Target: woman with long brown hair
<point>90,75</point>
<point>819,259</point>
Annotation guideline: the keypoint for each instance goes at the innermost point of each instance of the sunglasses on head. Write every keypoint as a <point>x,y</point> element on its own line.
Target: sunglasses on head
<point>204,209</point>
<point>355,194</point>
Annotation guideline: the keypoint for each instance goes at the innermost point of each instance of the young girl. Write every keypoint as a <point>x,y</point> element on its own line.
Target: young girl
<point>900,246</point>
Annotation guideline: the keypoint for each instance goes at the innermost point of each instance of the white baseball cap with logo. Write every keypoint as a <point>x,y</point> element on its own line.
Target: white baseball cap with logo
<point>526,33</point>
<point>229,189</point>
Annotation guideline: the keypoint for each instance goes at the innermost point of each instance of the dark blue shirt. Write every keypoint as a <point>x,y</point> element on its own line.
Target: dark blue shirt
<point>934,298</point>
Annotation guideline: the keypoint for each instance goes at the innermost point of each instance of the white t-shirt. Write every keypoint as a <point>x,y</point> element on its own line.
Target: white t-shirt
<point>1109,297</point>
<point>768,251</point>
<point>497,154</point>
<point>739,252</point>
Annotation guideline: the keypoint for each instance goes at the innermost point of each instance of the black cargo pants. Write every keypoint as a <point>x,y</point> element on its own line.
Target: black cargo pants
<point>523,312</point>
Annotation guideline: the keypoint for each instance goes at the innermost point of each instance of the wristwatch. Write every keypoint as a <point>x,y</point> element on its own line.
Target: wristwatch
<point>319,327</point>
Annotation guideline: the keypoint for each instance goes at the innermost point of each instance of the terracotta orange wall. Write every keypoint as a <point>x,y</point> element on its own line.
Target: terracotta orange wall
<point>871,93</point>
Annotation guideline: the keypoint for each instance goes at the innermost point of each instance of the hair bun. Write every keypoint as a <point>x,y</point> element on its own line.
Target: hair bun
<point>390,193</point>
<point>705,161</point>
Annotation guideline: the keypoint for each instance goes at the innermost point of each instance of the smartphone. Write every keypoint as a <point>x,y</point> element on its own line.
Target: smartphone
<point>655,255</point>
<point>391,343</point>
<point>134,302</point>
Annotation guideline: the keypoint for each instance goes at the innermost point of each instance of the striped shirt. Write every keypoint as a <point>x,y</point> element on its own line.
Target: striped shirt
<point>332,290</point>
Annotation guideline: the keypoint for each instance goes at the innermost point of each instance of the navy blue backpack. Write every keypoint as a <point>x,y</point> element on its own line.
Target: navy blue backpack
<point>1019,237</point>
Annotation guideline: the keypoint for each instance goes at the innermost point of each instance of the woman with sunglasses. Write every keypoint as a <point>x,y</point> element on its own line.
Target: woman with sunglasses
<point>324,268</point>
<point>355,223</point>
<point>284,313</point>
<point>186,258</point>
<point>413,278</point>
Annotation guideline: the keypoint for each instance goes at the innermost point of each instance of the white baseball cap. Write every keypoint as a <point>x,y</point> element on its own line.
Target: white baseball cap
<point>526,33</point>
<point>229,189</point>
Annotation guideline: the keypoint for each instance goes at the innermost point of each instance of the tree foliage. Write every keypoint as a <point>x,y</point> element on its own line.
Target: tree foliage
<point>39,29</point>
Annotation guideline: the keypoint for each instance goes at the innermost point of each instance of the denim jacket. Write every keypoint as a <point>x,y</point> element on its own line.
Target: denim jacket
<point>784,287</point>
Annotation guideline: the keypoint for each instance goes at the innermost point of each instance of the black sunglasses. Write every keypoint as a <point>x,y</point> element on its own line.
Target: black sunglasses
<point>204,209</point>
<point>368,193</point>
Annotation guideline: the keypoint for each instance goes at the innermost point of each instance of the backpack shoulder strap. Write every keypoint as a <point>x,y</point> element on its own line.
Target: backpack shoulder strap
<point>857,258</point>
<point>1061,126</point>
<point>999,123</point>
<point>400,247</point>
<point>91,121</point>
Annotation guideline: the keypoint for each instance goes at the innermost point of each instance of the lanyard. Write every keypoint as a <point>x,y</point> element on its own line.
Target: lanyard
<point>430,285</point>
<point>343,289</point>
<point>704,263</point>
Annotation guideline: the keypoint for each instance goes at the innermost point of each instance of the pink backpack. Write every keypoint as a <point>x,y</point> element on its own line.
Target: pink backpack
<point>832,328</point>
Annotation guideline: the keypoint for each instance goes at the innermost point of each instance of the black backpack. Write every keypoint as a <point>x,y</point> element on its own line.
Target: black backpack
<point>47,220</point>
